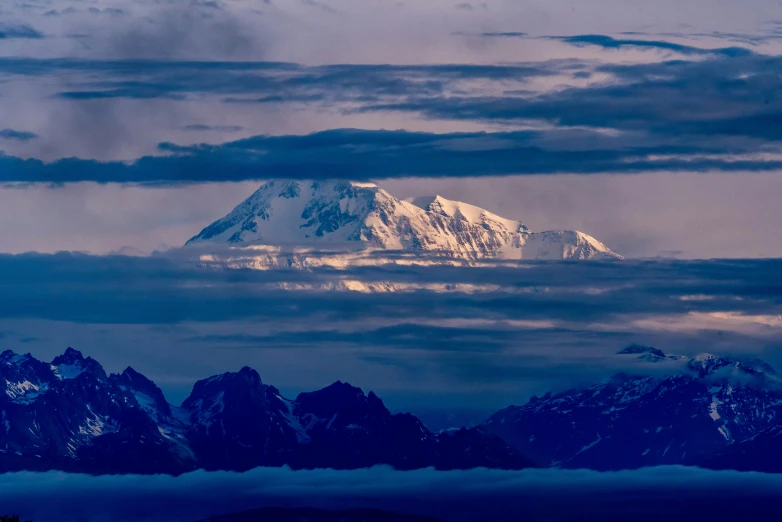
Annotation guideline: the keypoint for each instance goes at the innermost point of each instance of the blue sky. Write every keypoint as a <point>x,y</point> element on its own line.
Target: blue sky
<point>129,126</point>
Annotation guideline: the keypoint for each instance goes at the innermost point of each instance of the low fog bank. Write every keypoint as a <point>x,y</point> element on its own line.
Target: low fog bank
<point>672,493</point>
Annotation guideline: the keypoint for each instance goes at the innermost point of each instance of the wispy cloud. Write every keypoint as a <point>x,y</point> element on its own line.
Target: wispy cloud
<point>608,42</point>
<point>11,134</point>
<point>9,31</point>
<point>717,112</point>
<point>362,154</point>
<point>216,128</point>
<point>42,286</point>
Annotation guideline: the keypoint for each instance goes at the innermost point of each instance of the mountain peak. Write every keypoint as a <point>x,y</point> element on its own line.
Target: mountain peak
<point>69,355</point>
<point>72,363</point>
<point>348,213</point>
<point>249,374</point>
<point>11,356</point>
<point>246,382</point>
<point>339,397</point>
<point>132,375</point>
<point>340,391</point>
<point>136,380</point>
<point>710,364</point>
<point>146,392</point>
<point>295,212</point>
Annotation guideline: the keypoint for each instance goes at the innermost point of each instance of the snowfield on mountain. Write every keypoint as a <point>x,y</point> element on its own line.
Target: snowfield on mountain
<point>294,223</point>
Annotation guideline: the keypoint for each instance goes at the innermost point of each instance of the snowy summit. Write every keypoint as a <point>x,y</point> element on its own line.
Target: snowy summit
<point>337,215</point>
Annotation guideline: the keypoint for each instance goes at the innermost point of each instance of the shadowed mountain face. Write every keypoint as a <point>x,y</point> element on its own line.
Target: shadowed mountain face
<point>761,452</point>
<point>344,215</point>
<point>71,415</point>
<point>710,405</point>
<point>718,412</point>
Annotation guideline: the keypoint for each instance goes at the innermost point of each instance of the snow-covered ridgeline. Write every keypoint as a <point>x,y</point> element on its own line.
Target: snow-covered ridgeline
<point>341,224</point>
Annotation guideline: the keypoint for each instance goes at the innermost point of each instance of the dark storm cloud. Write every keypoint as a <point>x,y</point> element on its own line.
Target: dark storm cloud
<point>400,336</point>
<point>731,77</point>
<point>751,39</point>
<point>362,154</point>
<point>187,30</point>
<point>720,112</point>
<point>685,100</point>
<point>217,128</point>
<point>275,82</point>
<point>646,495</point>
<point>504,35</point>
<point>608,42</point>
<point>8,32</point>
<point>107,10</point>
<point>11,134</point>
<point>96,91</point>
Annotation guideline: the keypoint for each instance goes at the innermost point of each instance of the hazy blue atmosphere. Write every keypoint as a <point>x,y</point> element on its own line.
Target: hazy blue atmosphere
<point>177,323</point>
<point>647,134</point>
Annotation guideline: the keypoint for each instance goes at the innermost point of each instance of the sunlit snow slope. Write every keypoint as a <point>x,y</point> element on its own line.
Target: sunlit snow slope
<point>348,219</point>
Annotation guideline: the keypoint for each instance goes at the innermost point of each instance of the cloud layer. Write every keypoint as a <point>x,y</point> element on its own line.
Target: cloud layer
<point>550,326</point>
<point>716,112</point>
<point>670,493</point>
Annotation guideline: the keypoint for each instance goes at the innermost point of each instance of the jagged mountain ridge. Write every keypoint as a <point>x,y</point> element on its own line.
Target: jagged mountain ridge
<point>70,415</point>
<point>636,420</point>
<point>717,412</point>
<point>335,215</point>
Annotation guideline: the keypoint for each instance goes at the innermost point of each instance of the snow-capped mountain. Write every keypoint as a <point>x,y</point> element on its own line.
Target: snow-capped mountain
<point>71,415</point>
<point>338,223</point>
<point>632,421</point>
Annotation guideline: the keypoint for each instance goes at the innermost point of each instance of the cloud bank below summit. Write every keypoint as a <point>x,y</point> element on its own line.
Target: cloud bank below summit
<point>672,493</point>
<point>549,327</point>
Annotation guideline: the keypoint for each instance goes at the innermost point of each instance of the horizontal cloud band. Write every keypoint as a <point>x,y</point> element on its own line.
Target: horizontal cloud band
<point>162,290</point>
<point>646,495</point>
<point>364,154</point>
<point>719,111</point>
